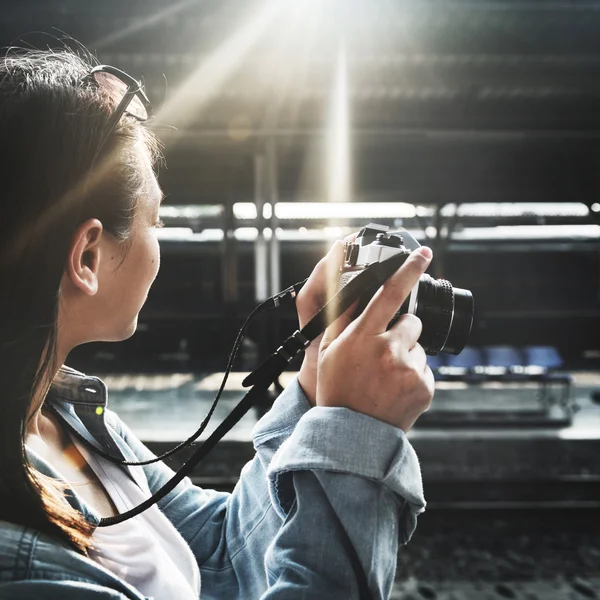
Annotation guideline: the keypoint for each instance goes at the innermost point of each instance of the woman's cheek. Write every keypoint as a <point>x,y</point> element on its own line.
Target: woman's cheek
<point>155,256</point>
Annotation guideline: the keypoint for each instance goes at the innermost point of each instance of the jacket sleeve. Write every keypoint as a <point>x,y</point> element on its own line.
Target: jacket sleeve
<point>319,477</point>
<point>342,479</point>
<point>57,590</point>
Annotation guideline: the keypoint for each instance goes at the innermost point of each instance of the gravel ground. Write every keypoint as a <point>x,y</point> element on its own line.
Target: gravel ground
<point>497,546</point>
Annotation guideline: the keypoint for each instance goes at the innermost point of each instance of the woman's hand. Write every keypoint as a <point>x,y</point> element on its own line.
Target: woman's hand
<point>321,285</point>
<point>383,374</point>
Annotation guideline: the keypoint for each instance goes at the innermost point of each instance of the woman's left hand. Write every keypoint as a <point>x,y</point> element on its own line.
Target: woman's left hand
<point>321,285</point>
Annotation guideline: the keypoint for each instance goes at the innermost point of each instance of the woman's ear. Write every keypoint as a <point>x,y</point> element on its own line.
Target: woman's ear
<point>83,262</point>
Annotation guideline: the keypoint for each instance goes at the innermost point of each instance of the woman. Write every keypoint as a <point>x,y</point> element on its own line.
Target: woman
<point>335,485</point>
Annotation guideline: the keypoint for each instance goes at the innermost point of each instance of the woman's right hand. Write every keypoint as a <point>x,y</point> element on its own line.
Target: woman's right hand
<point>383,374</point>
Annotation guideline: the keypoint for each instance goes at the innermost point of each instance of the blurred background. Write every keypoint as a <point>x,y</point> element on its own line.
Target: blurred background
<point>473,124</point>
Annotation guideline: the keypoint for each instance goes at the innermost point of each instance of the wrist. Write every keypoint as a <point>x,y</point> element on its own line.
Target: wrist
<point>307,379</point>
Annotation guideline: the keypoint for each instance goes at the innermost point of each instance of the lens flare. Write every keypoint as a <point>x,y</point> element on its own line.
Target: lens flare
<point>338,135</point>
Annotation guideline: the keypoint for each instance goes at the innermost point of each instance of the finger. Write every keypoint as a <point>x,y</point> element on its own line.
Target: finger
<point>328,267</point>
<point>334,259</point>
<point>429,379</point>
<point>322,283</point>
<point>350,238</point>
<point>338,326</point>
<point>388,299</point>
<point>418,358</point>
<point>315,291</point>
<point>406,332</point>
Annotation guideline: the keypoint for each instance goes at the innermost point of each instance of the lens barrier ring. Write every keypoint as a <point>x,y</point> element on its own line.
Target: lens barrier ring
<point>447,309</point>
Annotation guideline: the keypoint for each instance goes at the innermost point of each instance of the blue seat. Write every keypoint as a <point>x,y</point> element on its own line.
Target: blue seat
<point>469,358</point>
<point>502,356</point>
<point>543,356</point>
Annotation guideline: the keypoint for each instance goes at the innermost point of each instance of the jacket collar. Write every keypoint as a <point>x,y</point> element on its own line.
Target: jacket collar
<point>80,401</point>
<point>76,388</point>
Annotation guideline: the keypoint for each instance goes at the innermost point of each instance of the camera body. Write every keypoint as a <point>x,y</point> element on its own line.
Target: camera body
<point>445,312</point>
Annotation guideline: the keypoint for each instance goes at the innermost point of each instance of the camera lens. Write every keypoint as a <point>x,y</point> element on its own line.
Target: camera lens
<point>460,327</point>
<point>446,314</point>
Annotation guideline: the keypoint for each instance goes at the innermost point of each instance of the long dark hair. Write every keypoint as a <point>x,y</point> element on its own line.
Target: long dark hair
<point>52,119</point>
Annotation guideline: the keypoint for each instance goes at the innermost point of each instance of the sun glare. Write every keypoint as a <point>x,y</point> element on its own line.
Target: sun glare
<point>338,134</point>
<point>215,69</point>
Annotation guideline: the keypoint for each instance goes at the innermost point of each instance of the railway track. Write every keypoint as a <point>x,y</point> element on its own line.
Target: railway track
<point>534,553</point>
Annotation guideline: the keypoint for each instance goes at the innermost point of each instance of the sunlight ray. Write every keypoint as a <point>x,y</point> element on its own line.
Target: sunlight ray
<point>204,82</point>
<point>141,24</point>
<point>338,135</point>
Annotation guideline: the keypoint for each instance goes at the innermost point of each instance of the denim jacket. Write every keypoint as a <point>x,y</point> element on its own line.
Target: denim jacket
<point>320,477</point>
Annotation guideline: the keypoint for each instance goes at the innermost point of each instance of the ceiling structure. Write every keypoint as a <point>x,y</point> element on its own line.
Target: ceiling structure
<point>484,101</point>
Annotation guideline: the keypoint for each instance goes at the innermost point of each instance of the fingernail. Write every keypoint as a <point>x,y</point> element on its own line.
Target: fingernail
<point>425,252</point>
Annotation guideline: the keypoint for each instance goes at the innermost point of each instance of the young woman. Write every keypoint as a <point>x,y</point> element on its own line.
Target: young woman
<point>334,483</point>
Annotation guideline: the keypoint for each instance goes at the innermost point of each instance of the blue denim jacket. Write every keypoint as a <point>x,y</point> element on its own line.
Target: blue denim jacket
<point>278,535</point>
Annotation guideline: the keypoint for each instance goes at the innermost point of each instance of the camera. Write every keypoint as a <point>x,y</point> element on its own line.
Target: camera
<point>445,312</point>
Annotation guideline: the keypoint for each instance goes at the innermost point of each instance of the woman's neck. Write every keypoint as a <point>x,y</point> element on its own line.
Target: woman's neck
<point>37,422</point>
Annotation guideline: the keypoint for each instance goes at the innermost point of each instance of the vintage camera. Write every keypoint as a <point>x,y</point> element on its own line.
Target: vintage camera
<point>445,312</point>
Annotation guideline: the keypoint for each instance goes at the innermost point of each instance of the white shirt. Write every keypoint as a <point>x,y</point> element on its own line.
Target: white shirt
<point>146,551</point>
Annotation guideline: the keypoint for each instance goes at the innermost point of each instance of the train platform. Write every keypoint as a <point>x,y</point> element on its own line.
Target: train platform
<point>458,444</point>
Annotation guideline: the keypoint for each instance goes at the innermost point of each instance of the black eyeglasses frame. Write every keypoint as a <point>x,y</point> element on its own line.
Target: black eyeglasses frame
<point>135,90</point>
